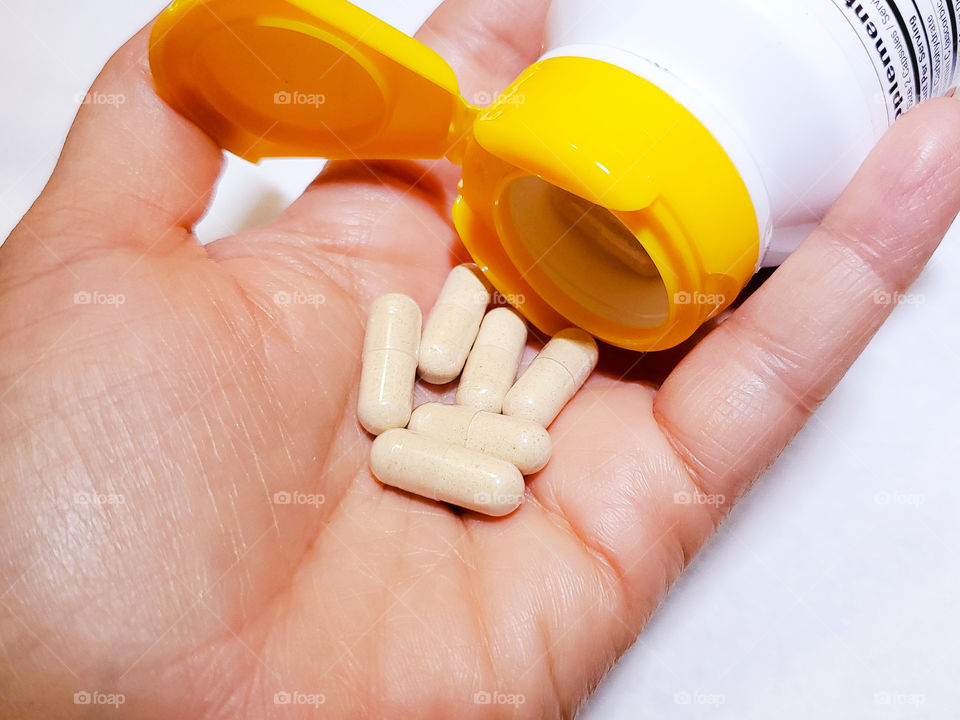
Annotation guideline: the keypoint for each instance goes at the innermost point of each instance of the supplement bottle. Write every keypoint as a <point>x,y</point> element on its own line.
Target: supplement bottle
<point>631,181</point>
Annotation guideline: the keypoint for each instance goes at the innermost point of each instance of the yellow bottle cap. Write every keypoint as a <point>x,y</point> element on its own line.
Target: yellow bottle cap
<point>589,197</point>
<point>275,78</point>
<point>597,200</point>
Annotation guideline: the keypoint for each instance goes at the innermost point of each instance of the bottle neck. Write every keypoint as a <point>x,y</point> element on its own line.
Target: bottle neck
<point>699,107</point>
<point>607,204</point>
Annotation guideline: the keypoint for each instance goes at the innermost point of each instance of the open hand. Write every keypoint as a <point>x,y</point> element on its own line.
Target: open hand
<point>188,518</point>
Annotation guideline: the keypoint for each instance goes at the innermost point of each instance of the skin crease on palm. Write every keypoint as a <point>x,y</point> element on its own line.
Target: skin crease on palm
<point>201,397</point>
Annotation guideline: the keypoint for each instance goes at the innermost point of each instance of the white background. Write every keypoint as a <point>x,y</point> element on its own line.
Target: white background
<point>832,591</point>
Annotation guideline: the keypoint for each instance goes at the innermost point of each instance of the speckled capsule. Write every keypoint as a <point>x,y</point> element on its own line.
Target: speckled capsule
<point>389,370</point>
<point>553,378</point>
<point>492,364</point>
<point>519,442</point>
<point>452,324</point>
<point>446,472</point>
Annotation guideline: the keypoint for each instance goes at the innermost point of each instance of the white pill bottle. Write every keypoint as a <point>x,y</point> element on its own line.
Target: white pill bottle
<point>634,178</point>
<point>796,91</point>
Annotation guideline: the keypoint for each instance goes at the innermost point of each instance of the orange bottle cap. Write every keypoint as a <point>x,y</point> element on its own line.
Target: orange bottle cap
<point>275,78</point>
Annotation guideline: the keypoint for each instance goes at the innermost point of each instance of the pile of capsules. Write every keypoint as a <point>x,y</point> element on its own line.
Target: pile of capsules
<point>473,454</point>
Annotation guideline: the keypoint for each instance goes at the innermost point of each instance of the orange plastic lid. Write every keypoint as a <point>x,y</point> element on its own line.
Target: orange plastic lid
<point>274,78</point>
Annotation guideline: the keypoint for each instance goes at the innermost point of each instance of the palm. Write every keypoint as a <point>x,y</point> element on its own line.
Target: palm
<point>205,394</point>
<point>248,397</point>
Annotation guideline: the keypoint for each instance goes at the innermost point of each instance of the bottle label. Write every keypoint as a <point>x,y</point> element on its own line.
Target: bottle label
<point>913,45</point>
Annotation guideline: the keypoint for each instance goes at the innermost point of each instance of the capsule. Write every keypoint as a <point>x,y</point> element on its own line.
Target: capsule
<point>452,325</point>
<point>553,378</point>
<point>521,443</point>
<point>389,360</point>
<point>446,472</point>
<point>492,364</point>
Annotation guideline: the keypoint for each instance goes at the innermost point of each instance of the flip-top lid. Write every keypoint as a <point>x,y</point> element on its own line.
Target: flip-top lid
<point>273,78</point>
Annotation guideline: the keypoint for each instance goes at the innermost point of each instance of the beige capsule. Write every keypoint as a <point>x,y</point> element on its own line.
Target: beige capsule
<point>553,378</point>
<point>452,324</point>
<point>446,472</point>
<point>389,370</point>
<point>519,442</point>
<point>492,364</point>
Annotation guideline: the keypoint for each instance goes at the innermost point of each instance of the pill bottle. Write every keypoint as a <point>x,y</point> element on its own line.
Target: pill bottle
<point>632,180</point>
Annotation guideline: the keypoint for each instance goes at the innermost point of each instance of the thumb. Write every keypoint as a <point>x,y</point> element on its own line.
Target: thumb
<point>133,173</point>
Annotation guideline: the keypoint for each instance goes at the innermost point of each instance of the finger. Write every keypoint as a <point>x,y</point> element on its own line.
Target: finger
<point>488,43</point>
<point>641,477</point>
<point>734,403</point>
<point>133,172</point>
<point>377,214</point>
